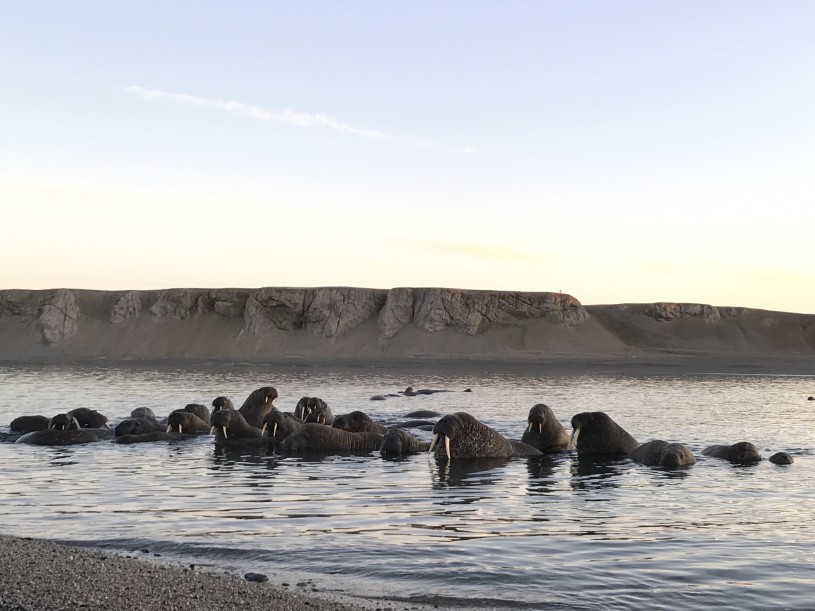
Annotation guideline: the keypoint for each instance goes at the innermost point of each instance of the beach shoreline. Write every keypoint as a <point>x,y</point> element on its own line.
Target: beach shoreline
<point>48,575</point>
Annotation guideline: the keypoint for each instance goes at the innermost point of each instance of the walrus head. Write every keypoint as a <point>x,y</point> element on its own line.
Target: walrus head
<point>180,419</point>
<point>744,452</point>
<point>585,420</point>
<point>300,410</point>
<point>272,420</point>
<point>219,403</point>
<point>220,421</point>
<point>64,422</point>
<point>353,422</point>
<point>447,427</point>
<point>676,455</point>
<point>89,418</point>
<point>538,415</point>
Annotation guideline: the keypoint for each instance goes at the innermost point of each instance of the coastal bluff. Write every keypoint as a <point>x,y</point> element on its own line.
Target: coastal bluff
<point>279,324</point>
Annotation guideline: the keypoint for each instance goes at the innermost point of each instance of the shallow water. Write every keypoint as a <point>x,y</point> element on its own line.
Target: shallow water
<point>554,532</point>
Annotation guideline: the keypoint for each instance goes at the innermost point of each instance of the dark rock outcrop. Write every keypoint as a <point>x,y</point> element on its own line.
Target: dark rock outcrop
<point>473,312</point>
<point>328,311</point>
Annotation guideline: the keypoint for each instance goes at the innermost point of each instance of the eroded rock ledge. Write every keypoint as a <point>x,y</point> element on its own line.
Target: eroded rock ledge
<point>329,312</point>
<point>353,323</point>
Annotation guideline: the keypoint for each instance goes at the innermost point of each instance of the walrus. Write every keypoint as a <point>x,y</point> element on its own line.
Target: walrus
<point>257,405</point>
<point>596,433</point>
<point>143,412</point>
<point>300,410</point>
<point>27,424</point>
<point>182,421</point>
<point>202,411</point>
<point>422,413</point>
<point>358,422</point>
<point>545,431</point>
<point>319,412</point>
<point>278,425</point>
<point>62,430</point>
<point>137,426</point>
<point>658,453</point>
<point>781,458</point>
<point>313,437</point>
<point>219,403</point>
<point>89,418</point>
<point>399,441</point>
<point>465,438</point>
<point>230,426</point>
<point>742,452</point>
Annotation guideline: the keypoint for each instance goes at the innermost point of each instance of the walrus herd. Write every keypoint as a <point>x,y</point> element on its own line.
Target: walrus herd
<point>312,427</point>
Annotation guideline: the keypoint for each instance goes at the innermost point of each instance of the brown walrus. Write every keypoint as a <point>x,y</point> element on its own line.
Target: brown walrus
<point>464,437</point>
<point>596,433</point>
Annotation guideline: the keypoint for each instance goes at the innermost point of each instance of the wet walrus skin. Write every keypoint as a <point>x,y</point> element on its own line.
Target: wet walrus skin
<point>595,433</point>
<point>399,441</point>
<point>230,426</point>
<point>63,430</point>
<point>545,432</point>
<point>258,404</point>
<point>313,437</point>
<point>659,453</point>
<point>461,436</point>
<point>742,452</point>
<point>358,422</point>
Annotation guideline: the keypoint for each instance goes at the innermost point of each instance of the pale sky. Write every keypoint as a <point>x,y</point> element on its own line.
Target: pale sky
<point>616,151</point>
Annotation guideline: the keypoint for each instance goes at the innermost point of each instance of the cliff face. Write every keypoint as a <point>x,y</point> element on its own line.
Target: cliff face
<point>344,322</point>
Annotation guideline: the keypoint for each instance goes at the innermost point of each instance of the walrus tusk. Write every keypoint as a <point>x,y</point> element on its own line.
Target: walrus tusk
<point>223,428</point>
<point>169,428</point>
<point>212,430</point>
<point>274,430</point>
<point>447,447</point>
<point>180,428</point>
<point>264,429</point>
<point>529,428</point>
<point>573,438</point>
<point>540,427</point>
<point>433,443</point>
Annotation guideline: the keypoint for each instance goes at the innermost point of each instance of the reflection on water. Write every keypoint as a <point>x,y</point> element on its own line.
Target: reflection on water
<point>476,472</point>
<point>610,533</point>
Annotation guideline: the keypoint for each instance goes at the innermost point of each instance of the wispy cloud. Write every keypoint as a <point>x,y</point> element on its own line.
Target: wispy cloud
<point>290,117</point>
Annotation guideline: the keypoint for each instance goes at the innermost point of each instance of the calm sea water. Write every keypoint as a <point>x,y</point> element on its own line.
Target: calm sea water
<point>554,532</point>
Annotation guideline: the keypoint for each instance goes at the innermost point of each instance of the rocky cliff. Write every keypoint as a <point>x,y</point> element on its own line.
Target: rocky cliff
<point>353,323</point>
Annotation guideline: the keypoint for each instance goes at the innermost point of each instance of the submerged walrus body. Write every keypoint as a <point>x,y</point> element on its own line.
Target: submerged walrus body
<point>742,452</point>
<point>461,436</point>
<point>313,437</point>
<point>358,422</point>
<point>399,441</point>
<point>659,453</point>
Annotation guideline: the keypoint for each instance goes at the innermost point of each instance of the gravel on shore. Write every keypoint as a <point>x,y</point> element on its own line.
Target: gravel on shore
<point>39,575</point>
